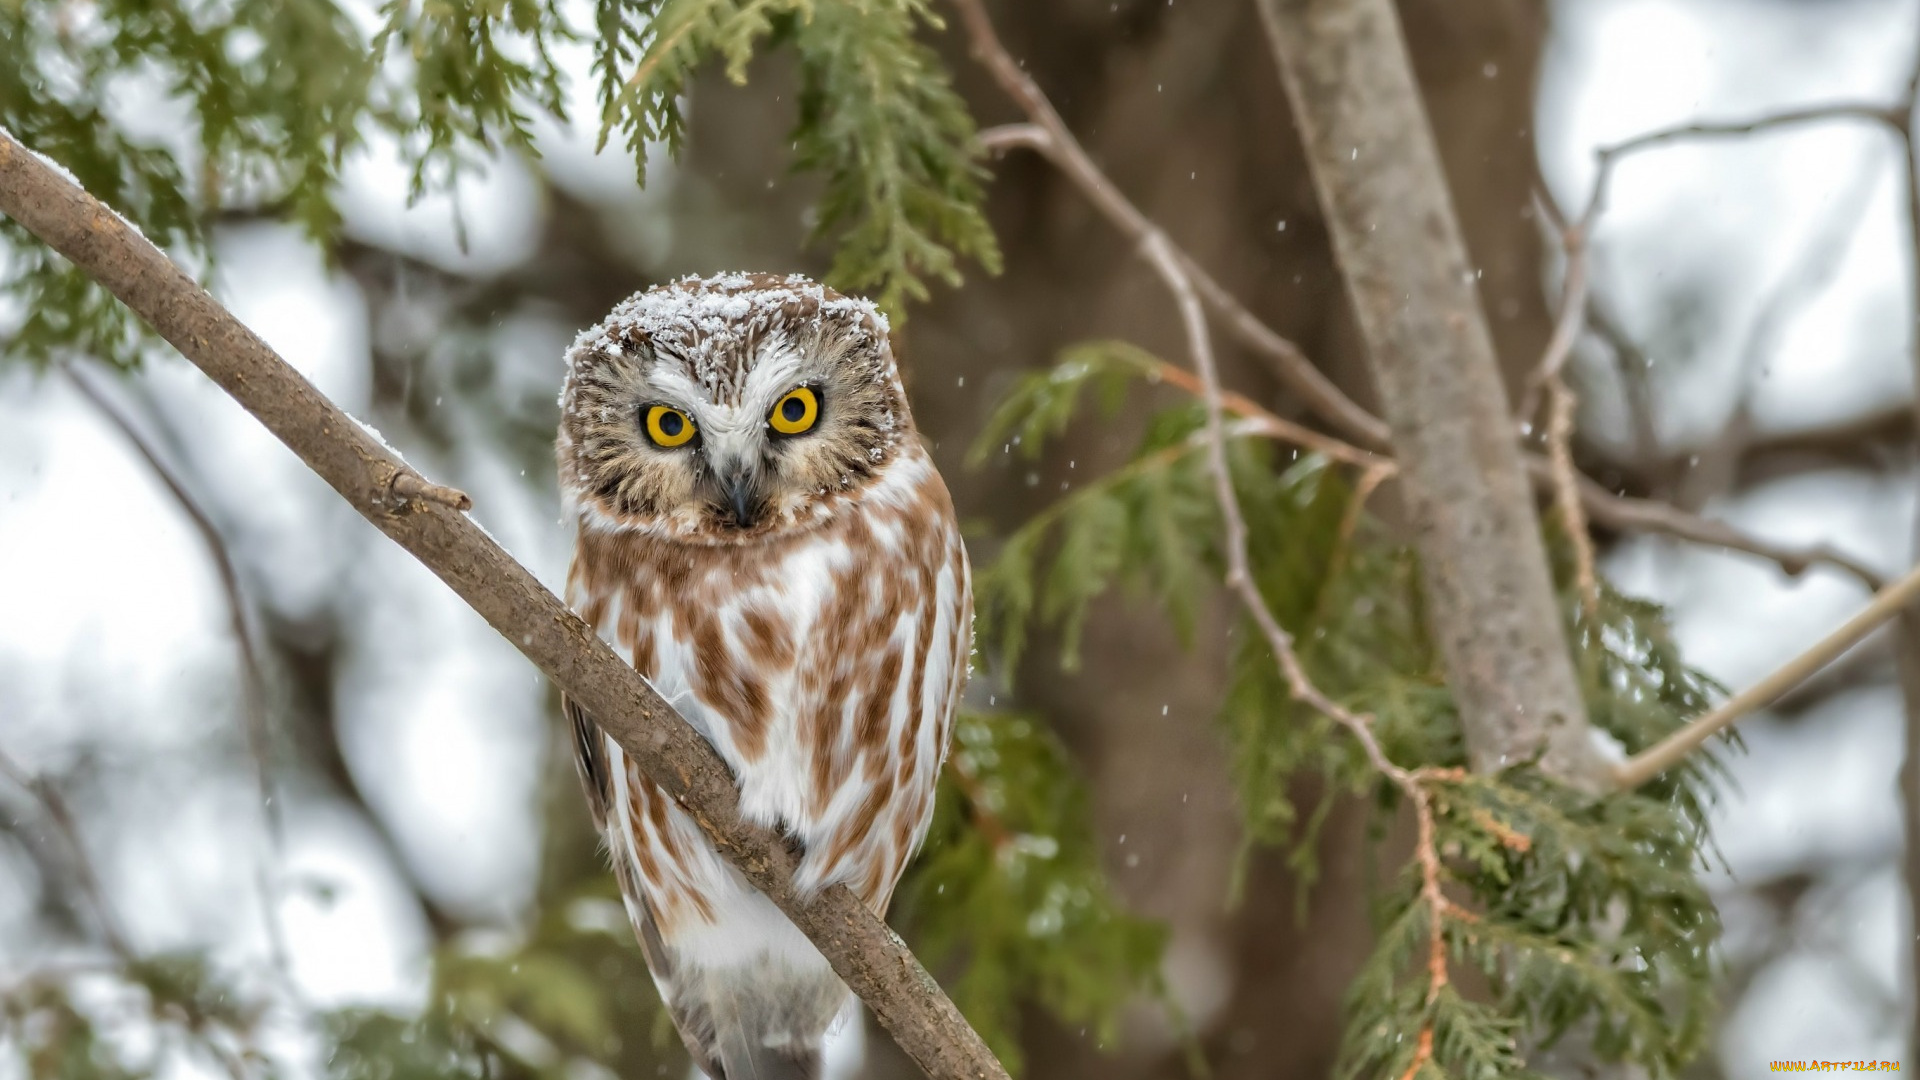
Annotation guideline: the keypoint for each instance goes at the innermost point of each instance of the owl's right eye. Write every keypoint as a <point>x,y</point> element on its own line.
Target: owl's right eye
<point>668,426</point>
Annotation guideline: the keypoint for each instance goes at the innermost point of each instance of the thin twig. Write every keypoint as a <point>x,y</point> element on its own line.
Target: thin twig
<point>1570,320</point>
<point>1240,580</point>
<point>1049,134</point>
<point>1888,115</point>
<point>868,957</point>
<point>252,681</point>
<point>1885,605</point>
<point>1363,489</point>
<point>1550,377</point>
<point>68,830</point>
<point>1599,504</point>
<point>1633,365</point>
<point>1268,425</point>
<point>1566,488</point>
<point>1626,513</point>
<point>1004,137</point>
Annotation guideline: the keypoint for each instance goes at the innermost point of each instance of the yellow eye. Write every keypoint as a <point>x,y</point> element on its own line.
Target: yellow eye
<point>668,426</point>
<point>796,412</point>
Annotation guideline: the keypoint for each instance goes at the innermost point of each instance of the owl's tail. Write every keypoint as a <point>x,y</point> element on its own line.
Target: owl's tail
<point>772,1029</point>
<point>741,1059</point>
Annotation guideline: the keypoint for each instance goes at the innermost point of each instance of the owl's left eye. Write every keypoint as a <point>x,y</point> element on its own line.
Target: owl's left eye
<point>668,426</point>
<point>796,412</point>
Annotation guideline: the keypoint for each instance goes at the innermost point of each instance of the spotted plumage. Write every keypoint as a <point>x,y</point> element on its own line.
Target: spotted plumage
<point>760,530</point>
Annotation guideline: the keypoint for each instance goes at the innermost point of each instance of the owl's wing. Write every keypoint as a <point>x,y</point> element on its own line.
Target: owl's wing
<point>690,1016</point>
<point>590,758</point>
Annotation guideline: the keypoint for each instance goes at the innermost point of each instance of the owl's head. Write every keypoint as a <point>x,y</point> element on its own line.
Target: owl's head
<point>729,409</point>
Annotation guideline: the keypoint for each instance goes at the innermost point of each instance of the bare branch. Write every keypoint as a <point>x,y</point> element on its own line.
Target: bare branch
<point>64,826</point>
<point>1412,783</point>
<point>1892,116</point>
<point>1885,605</point>
<point>1048,134</point>
<point>1633,365</point>
<point>1598,505</point>
<point>1577,306</point>
<point>1269,426</point>
<point>875,964</point>
<point>1570,319</point>
<point>1550,377</point>
<point>1623,512</point>
<point>999,140</point>
<point>253,705</point>
<point>1566,491</point>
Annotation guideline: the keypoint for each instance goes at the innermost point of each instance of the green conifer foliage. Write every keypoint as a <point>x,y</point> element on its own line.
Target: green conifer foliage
<point>878,120</point>
<point>1008,903</point>
<point>1567,917</point>
<point>276,94</point>
<point>1582,916</point>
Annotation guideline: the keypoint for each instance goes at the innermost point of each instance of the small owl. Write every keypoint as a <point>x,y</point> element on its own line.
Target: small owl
<point>761,531</point>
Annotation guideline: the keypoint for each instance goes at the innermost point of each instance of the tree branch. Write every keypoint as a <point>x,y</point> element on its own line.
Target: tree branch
<point>1626,513</point>
<point>1885,605</point>
<point>1411,782</point>
<point>1888,115</point>
<point>866,954</point>
<point>1267,425</point>
<point>253,687</point>
<point>1181,277</point>
<point>64,825</point>
<point>1048,134</point>
<point>1550,376</point>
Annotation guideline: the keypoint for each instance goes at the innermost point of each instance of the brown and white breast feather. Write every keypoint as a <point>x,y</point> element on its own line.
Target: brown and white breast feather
<point>824,666</point>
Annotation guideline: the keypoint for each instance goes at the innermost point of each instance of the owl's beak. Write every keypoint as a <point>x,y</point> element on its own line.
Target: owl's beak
<point>741,486</point>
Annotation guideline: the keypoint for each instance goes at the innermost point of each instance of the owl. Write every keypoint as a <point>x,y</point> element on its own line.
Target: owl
<point>760,530</point>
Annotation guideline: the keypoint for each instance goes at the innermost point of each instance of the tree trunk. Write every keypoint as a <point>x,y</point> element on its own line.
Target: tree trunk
<point>1377,171</point>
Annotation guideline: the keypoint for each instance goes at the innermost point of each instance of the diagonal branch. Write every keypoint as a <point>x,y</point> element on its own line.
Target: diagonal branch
<point>875,964</point>
<point>1885,605</point>
<point>1411,782</point>
<point>1550,377</point>
<point>1181,277</point>
<point>253,696</point>
<point>1626,513</point>
<point>1891,116</point>
<point>62,820</point>
<point>1049,134</point>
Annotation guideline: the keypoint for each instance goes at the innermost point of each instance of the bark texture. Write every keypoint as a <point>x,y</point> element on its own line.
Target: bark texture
<point>874,962</point>
<point>1377,172</point>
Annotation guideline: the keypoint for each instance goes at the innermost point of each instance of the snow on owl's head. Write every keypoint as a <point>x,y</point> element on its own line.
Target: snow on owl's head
<point>729,409</point>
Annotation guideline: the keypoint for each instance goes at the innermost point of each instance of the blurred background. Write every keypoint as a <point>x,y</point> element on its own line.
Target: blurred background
<point>1753,302</point>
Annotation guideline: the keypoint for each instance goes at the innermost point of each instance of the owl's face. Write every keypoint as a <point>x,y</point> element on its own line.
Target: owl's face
<point>729,409</point>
